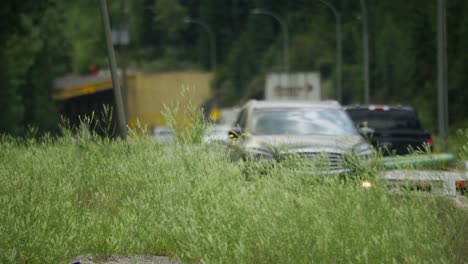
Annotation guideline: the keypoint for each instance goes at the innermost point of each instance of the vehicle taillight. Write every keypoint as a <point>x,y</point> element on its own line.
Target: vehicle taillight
<point>429,145</point>
<point>378,108</point>
<point>462,186</point>
<point>429,141</point>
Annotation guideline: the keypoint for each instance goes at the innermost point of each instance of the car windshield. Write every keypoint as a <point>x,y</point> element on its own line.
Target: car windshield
<point>301,122</point>
<point>390,119</point>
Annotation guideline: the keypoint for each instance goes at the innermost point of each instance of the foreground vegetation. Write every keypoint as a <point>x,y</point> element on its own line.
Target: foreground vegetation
<point>83,194</point>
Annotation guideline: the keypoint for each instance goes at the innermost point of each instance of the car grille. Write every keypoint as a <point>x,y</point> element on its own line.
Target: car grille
<point>322,162</point>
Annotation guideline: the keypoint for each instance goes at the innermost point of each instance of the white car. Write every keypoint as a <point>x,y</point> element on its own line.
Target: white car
<point>274,131</point>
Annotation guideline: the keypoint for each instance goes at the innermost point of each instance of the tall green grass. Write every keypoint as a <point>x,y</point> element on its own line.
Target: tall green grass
<point>460,143</point>
<point>82,194</point>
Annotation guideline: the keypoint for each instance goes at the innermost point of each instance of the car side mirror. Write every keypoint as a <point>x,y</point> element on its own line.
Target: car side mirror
<point>366,132</point>
<point>235,133</point>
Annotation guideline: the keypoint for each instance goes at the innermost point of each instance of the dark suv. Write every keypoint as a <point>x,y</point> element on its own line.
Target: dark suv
<point>394,129</point>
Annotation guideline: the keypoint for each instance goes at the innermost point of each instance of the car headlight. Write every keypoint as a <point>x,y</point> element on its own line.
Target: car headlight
<point>364,150</point>
<point>366,184</point>
<point>259,154</point>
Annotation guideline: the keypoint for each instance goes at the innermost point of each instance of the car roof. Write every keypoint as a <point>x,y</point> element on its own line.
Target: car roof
<point>292,104</point>
<point>374,106</point>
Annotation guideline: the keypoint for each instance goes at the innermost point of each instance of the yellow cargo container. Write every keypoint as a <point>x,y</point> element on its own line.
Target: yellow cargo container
<point>146,94</point>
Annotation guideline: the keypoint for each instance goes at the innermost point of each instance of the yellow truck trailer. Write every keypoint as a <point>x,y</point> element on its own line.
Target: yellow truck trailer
<point>144,98</point>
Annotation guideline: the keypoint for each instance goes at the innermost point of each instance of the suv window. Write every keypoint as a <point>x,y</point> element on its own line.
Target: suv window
<point>387,119</point>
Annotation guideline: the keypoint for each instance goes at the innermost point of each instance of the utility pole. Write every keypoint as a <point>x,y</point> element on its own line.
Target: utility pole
<point>113,68</point>
<point>365,41</point>
<point>123,56</point>
<point>442,100</point>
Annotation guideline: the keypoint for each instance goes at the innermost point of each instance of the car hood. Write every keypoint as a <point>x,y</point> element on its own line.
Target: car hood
<point>309,143</point>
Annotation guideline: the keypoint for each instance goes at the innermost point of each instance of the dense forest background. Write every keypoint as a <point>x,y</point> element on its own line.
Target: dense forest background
<point>42,40</point>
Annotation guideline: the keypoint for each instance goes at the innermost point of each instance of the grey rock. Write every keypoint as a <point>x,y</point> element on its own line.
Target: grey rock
<point>133,259</point>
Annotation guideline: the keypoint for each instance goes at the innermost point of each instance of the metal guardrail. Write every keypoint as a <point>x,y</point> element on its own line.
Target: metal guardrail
<point>441,161</point>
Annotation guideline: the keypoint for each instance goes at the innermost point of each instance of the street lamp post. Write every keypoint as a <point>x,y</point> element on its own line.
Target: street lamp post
<point>189,20</point>
<point>339,53</point>
<point>442,100</point>
<point>365,41</point>
<point>284,28</point>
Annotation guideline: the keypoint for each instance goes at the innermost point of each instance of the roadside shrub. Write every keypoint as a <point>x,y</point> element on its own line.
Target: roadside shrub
<point>462,139</point>
<point>187,123</point>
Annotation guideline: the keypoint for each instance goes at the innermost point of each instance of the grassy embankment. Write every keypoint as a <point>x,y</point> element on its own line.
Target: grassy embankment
<point>82,194</point>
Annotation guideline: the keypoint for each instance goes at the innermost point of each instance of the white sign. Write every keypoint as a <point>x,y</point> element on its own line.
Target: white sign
<point>295,86</point>
<point>120,37</point>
